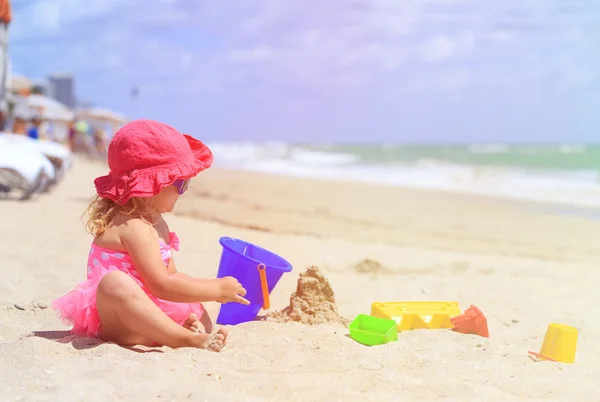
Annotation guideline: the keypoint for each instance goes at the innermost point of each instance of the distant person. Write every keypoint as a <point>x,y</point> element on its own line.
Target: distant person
<point>82,139</point>
<point>71,135</point>
<point>34,130</point>
<point>133,294</point>
<point>46,131</point>
<point>99,138</point>
<point>5,19</point>
<point>19,126</point>
<point>4,114</point>
<point>2,119</point>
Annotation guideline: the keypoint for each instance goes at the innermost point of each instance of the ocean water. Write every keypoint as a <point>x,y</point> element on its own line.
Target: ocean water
<point>557,174</point>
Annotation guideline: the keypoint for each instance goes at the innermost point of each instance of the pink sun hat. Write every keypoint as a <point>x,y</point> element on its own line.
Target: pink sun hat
<point>145,156</point>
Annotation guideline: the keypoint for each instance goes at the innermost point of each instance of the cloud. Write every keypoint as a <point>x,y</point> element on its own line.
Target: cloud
<point>333,51</point>
<point>442,47</point>
<point>50,17</point>
<point>253,54</point>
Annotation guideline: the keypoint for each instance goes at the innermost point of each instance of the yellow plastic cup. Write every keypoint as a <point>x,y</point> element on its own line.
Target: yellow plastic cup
<point>560,343</point>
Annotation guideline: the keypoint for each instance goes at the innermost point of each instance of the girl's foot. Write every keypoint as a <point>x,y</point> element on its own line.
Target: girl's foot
<point>214,342</point>
<point>224,333</point>
<point>192,323</point>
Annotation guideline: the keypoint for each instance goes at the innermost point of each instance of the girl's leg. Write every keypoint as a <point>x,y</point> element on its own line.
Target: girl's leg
<point>129,317</point>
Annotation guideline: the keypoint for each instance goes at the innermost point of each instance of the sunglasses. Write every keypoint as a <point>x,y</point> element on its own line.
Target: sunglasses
<point>181,185</point>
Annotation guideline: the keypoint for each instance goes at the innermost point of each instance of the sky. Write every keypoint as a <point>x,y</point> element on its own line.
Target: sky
<point>393,71</point>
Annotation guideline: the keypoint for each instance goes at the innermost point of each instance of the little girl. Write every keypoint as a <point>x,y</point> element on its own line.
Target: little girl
<point>134,294</point>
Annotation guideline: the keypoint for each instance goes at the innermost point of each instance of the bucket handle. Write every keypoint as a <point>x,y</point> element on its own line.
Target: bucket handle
<point>262,271</point>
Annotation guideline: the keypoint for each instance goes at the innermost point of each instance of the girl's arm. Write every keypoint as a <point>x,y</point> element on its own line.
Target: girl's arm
<point>171,269</point>
<point>142,246</point>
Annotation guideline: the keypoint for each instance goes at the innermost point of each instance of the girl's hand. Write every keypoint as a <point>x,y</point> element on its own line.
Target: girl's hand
<point>230,290</point>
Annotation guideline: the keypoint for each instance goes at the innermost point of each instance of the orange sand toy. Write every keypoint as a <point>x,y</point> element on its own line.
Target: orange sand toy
<point>472,321</point>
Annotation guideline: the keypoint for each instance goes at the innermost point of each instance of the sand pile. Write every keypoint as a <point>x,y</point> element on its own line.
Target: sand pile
<point>312,303</point>
<point>369,266</point>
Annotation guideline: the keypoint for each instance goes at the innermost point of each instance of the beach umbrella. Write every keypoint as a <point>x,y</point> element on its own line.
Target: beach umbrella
<point>102,115</point>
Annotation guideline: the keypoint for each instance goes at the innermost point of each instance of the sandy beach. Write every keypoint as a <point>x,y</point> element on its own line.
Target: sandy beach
<point>523,264</point>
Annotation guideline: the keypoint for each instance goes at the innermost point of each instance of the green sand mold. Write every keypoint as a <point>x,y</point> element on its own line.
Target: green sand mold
<point>372,331</point>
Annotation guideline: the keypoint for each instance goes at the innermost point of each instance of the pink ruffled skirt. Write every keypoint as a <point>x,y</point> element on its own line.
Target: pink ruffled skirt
<point>78,307</point>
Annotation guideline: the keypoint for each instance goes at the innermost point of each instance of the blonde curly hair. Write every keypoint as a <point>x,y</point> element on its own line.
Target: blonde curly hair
<point>101,212</point>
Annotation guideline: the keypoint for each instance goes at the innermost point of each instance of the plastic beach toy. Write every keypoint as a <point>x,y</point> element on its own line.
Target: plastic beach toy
<point>371,331</point>
<point>257,269</point>
<point>560,344</point>
<point>472,321</point>
<point>417,315</point>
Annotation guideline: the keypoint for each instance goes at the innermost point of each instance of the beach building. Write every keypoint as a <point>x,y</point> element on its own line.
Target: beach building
<point>61,87</point>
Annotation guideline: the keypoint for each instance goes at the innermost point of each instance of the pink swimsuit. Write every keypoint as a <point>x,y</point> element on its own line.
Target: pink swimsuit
<point>78,307</point>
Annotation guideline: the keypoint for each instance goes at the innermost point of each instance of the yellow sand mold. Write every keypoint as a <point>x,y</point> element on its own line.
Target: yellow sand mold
<point>417,315</point>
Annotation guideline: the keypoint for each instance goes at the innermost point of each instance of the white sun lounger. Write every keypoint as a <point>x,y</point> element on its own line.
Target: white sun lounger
<point>24,168</point>
<point>59,155</point>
